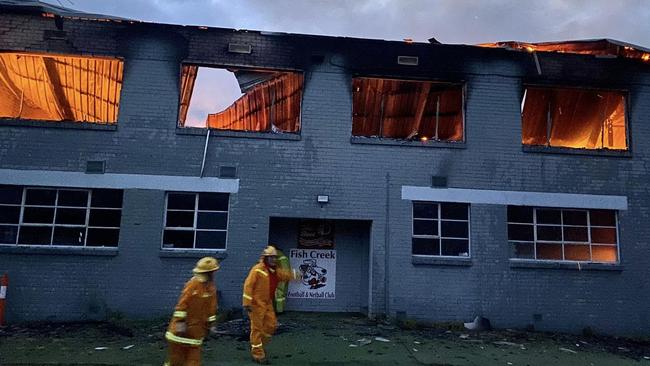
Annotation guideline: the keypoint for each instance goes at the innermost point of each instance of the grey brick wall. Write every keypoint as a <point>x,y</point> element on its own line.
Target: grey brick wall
<point>281,178</point>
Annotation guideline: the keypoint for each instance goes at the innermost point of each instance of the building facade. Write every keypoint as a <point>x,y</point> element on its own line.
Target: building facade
<point>107,212</point>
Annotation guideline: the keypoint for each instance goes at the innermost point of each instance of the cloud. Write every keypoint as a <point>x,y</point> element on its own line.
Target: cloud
<point>450,21</point>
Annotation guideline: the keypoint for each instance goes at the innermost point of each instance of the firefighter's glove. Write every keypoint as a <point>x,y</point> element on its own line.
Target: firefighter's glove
<point>295,275</point>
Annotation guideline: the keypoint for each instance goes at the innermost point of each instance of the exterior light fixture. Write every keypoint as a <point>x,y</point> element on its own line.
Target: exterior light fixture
<point>322,199</point>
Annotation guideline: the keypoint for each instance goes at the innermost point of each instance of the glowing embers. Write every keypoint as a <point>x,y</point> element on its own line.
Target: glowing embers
<point>60,88</point>
<point>574,118</point>
<point>240,100</point>
<point>402,109</point>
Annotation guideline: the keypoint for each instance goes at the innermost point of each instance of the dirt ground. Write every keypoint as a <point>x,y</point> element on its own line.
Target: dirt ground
<point>315,339</point>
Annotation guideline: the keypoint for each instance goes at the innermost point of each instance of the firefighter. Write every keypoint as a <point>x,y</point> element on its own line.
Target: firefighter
<point>193,316</point>
<point>281,291</point>
<point>259,292</point>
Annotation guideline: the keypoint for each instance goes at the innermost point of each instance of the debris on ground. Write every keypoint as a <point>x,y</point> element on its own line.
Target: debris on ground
<point>479,324</point>
<point>382,339</point>
<point>128,347</point>
<point>567,350</point>
<point>363,341</point>
<point>100,348</point>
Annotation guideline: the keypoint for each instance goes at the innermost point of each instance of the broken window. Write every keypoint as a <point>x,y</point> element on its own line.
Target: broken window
<point>60,88</point>
<point>403,109</point>
<point>196,221</point>
<point>575,118</point>
<point>240,100</point>
<point>61,217</point>
<point>563,234</point>
<point>440,229</point>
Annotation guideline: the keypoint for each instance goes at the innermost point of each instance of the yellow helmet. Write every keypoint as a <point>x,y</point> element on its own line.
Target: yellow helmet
<point>269,251</point>
<point>206,264</point>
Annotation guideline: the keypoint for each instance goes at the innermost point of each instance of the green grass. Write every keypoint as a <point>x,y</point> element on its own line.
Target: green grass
<point>309,339</point>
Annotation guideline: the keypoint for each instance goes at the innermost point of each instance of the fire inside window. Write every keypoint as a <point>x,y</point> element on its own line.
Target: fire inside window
<point>550,234</point>
<point>410,110</point>
<point>574,118</point>
<point>240,100</point>
<point>60,88</point>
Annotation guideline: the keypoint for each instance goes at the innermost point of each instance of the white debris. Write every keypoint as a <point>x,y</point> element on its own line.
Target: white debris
<point>567,350</point>
<point>463,336</point>
<point>353,345</point>
<point>128,347</point>
<point>416,342</point>
<point>382,339</point>
<point>505,343</point>
<point>415,349</point>
<point>100,348</point>
<point>363,341</point>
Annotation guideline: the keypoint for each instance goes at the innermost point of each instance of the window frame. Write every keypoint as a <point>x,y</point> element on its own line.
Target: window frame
<point>53,225</point>
<point>439,237</point>
<point>563,242</point>
<point>194,228</point>
<point>579,150</point>
<point>430,140</point>
<point>102,125</point>
<point>183,129</point>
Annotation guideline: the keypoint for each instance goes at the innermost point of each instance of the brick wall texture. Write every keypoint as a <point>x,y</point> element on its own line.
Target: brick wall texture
<point>280,178</point>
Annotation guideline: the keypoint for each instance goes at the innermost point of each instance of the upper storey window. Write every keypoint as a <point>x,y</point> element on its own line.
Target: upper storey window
<point>403,109</point>
<point>60,88</point>
<point>240,100</point>
<point>574,118</point>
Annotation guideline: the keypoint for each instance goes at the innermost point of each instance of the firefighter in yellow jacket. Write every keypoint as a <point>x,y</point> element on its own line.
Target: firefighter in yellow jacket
<point>193,316</point>
<point>259,293</point>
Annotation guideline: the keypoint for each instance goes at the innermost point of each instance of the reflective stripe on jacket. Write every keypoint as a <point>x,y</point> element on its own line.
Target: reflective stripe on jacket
<point>257,285</point>
<point>197,307</point>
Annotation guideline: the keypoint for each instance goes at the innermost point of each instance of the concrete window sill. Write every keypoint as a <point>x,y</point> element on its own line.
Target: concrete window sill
<point>441,261</point>
<point>55,124</point>
<point>396,142</point>
<point>570,151</point>
<point>192,253</point>
<point>53,250</point>
<point>237,134</point>
<point>528,264</point>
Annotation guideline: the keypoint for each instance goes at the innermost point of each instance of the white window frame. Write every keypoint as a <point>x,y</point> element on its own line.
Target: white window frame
<point>194,228</point>
<point>439,237</point>
<point>563,242</point>
<point>53,225</point>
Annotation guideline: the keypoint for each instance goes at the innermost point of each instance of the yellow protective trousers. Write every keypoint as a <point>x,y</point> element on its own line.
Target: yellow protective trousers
<point>263,325</point>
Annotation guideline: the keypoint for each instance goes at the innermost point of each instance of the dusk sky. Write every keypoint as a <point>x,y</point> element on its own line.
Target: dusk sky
<point>449,21</point>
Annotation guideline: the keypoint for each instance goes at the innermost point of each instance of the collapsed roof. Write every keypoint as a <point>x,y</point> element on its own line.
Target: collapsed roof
<point>598,47</point>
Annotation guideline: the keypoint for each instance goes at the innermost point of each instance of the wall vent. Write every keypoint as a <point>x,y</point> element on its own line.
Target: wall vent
<point>408,60</point>
<point>239,48</point>
<point>95,167</point>
<point>227,172</point>
<point>438,181</point>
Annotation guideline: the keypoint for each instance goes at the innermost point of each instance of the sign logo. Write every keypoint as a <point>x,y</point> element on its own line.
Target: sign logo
<point>318,270</point>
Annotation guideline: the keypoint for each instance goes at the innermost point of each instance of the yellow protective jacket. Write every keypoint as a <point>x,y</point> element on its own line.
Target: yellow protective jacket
<point>257,285</point>
<point>197,307</point>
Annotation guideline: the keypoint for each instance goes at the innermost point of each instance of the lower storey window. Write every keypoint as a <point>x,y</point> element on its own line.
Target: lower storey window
<point>440,229</point>
<point>196,221</point>
<point>563,234</point>
<point>60,217</point>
